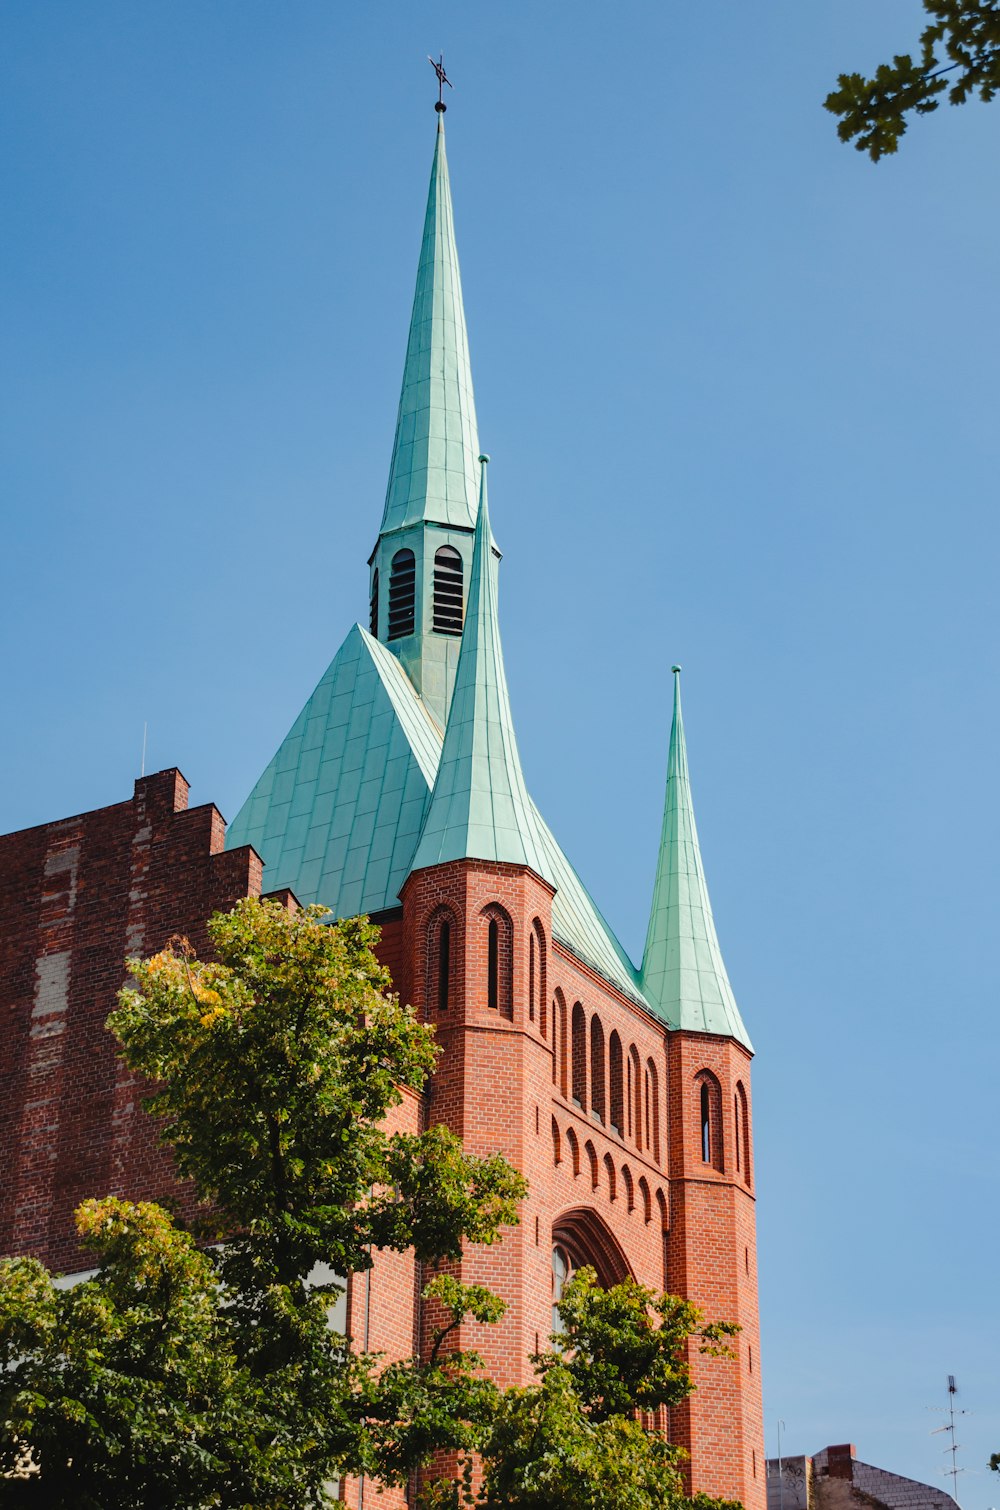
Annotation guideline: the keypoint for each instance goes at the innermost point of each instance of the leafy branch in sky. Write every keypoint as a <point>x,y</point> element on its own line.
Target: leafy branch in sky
<point>959,55</point>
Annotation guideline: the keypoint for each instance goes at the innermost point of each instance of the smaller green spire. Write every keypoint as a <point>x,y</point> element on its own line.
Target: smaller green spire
<point>480,808</point>
<point>683,973</point>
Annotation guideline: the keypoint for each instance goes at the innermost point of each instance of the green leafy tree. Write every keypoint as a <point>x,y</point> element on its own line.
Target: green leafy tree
<point>193,1378</point>
<point>573,1441</point>
<point>959,54</point>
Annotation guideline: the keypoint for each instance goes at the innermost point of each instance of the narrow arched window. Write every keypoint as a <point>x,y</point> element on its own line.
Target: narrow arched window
<point>635,1095</point>
<point>402,594</point>
<point>652,1111</point>
<point>447,591</point>
<point>597,1102</point>
<point>373,606</point>
<point>742,1132</point>
<point>559,1046</point>
<point>444,966</point>
<point>591,1153</point>
<point>578,1056</point>
<point>609,1174</point>
<point>739,1131</point>
<point>617,1084</point>
<point>531,975</point>
<point>710,1118</point>
<point>493,965</point>
<point>499,951</point>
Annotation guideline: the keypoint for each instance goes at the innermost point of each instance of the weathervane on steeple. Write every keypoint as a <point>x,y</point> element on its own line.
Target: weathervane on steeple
<point>443,79</point>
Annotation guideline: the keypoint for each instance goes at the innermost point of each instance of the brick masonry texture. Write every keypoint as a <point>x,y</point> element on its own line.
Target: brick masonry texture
<point>586,1093</point>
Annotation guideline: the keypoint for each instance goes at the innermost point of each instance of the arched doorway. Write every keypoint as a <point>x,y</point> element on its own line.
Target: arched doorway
<point>580,1238</point>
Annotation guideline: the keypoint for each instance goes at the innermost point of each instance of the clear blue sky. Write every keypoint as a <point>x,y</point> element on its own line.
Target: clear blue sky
<point>740,390</point>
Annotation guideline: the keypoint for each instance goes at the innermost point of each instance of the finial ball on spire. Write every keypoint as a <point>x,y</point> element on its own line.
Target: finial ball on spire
<point>675,668</point>
<point>484,458</point>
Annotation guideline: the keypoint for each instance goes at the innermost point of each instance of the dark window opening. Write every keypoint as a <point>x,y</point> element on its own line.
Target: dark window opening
<point>578,1058</point>
<point>616,1076</point>
<point>597,1101</point>
<point>373,619</point>
<point>531,977</point>
<point>493,965</point>
<point>402,595</point>
<point>444,965</point>
<point>706,1125</point>
<point>447,591</point>
<point>739,1130</point>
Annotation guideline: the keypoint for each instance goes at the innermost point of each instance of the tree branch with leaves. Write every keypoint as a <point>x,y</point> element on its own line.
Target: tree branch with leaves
<point>959,56</point>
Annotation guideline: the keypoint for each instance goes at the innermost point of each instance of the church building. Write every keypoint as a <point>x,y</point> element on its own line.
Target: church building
<point>621,1091</point>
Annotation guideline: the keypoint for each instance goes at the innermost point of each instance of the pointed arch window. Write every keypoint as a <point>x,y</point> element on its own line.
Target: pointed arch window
<point>499,960</point>
<point>373,606</point>
<point>617,1084</point>
<point>402,594</point>
<point>441,940</point>
<point>598,1108</point>
<point>710,1119</point>
<point>652,1110</point>
<point>578,1057</point>
<point>742,1109</point>
<point>448,589</point>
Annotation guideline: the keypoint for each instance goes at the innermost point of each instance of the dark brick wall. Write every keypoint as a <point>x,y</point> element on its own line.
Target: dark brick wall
<point>76,898</point>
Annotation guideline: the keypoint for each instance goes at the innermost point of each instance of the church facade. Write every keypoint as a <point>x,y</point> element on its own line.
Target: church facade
<point>622,1092</point>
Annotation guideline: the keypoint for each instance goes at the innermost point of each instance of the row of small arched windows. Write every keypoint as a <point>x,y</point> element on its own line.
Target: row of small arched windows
<point>602,1172</point>
<point>499,962</point>
<point>616,1088</point>
<point>448,606</point>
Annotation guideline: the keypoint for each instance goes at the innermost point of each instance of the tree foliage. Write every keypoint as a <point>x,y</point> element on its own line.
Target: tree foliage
<point>574,1441</point>
<point>213,1378</point>
<point>959,54</point>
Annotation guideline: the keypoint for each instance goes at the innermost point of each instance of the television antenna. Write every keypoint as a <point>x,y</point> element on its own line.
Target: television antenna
<point>954,1445</point>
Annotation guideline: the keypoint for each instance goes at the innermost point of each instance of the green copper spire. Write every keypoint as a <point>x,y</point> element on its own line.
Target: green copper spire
<point>480,808</point>
<point>433,475</point>
<point>682,970</point>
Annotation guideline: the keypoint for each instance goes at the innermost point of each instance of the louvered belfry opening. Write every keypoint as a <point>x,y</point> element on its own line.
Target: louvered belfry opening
<point>373,621</point>
<point>402,594</point>
<point>447,591</point>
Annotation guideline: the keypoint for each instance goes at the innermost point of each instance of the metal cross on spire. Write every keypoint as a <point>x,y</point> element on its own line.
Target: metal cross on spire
<point>442,78</point>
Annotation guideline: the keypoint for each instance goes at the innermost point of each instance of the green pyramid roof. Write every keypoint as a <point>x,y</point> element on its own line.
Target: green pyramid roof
<point>683,974</point>
<point>434,475</point>
<point>336,814</point>
<point>480,808</point>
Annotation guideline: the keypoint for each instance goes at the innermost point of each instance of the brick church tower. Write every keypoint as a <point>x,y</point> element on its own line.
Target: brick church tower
<point>622,1093</point>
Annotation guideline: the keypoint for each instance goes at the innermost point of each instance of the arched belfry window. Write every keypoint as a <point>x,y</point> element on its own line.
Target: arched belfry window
<point>448,605</point>
<point>402,594</point>
<point>373,618</point>
<point>706,1124</point>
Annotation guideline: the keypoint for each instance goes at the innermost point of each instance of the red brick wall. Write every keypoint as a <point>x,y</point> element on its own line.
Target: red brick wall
<point>633,1200</point>
<point>77,897</point>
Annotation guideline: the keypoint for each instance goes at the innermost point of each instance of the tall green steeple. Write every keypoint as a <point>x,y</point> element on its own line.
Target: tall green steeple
<point>480,808</point>
<point>433,478</point>
<point>683,974</point>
